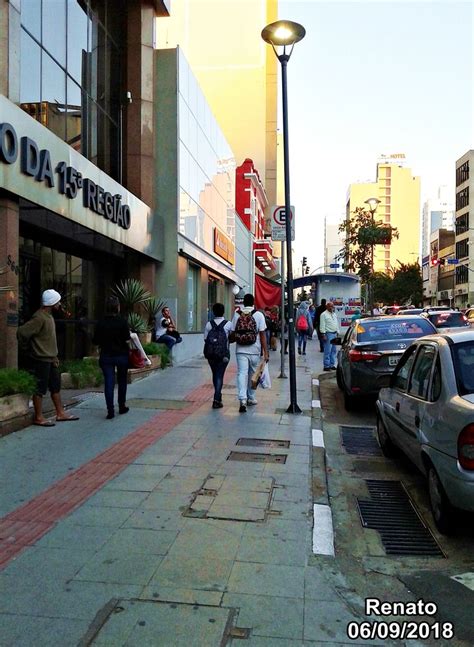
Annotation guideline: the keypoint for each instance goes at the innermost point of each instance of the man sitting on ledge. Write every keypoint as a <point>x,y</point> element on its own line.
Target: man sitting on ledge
<point>166,331</point>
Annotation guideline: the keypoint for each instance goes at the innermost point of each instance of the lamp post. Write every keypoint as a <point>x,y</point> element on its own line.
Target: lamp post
<point>373,204</point>
<point>284,33</point>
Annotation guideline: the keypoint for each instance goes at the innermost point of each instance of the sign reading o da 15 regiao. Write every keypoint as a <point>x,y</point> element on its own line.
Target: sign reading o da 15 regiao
<point>40,167</point>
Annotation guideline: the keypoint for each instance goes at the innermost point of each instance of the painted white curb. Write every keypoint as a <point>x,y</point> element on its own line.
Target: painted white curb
<point>316,404</point>
<point>465,578</point>
<point>318,438</point>
<point>323,533</point>
<point>315,382</point>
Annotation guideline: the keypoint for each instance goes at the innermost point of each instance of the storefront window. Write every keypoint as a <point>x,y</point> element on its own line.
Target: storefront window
<point>212,291</point>
<point>192,288</point>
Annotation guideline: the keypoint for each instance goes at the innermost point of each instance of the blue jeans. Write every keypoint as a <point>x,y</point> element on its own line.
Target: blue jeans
<point>169,340</point>
<point>246,366</point>
<point>302,338</point>
<point>108,364</point>
<point>330,350</point>
<point>218,368</point>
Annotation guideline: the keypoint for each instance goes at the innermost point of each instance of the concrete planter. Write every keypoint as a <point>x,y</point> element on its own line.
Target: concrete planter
<point>12,406</point>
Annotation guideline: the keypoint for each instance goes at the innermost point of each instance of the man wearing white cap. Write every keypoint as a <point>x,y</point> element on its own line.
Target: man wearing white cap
<point>39,335</point>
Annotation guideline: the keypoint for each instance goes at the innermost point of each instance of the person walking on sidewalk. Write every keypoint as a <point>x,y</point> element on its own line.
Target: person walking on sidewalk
<point>329,329</point>
<point>248,331</point>
<point>112,334</point>
<point>304,326</point>
<point>317,317</point>
<point>39,336</point>
<point>216,350</point>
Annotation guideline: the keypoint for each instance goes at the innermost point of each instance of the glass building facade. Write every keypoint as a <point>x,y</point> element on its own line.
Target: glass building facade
<point>71,68</point>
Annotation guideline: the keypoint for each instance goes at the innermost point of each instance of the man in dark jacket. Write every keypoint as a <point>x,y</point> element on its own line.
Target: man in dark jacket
<point>317,316</point>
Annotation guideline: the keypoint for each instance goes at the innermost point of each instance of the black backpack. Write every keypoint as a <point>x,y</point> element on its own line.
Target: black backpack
<point>216,346</point>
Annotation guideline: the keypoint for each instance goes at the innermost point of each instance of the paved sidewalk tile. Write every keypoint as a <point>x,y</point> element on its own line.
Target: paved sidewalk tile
<point>268,616</point>
<point>127,569</point>
<point>138,541</point>
<point>272,550</point>
<point>185,571</point>
<point>265,579</point>
<point>17,631</point>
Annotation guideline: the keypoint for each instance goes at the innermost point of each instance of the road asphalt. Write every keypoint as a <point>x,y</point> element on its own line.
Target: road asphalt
<point>161,527</point>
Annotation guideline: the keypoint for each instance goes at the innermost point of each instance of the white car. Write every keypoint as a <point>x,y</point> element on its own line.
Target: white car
<point>447,321</point>
<point>428,413</point>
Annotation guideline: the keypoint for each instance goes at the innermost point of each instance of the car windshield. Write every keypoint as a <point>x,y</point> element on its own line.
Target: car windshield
<point>399,328</point>
<point>448,320</point>
<point>463,360</point>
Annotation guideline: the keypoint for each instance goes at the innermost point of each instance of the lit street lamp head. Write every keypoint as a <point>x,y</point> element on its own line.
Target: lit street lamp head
<point>373,203</point>
<point>283,33</point>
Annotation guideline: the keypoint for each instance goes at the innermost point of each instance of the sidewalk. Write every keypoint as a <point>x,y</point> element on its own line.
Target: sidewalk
<point>140,531</point>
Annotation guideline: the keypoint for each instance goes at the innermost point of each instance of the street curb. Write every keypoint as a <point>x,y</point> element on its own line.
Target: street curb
<point>323,534</point>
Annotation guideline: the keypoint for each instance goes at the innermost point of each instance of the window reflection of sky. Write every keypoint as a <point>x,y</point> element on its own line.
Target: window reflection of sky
<point>206,166</point>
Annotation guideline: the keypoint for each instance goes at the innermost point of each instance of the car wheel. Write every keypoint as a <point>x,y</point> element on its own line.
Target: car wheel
<point>339,381</point>
<point>349,401</point>
<point>440,507</point>
<point>386,445</point>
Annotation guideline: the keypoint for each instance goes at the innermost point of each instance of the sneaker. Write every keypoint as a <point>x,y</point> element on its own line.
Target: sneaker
<point>333,368</point>
<point>110,415</point>
<point>252,403</point>
<point>217,405</point>
<point>123,410</point>
<point>299,351</point>
<point>243,406</point>
<point>327,369</point>
<point>304,352</point>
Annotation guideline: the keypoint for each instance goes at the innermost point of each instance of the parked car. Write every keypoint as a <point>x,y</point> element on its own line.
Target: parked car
<point>447,321</point>
<point>409,311</point>
<point>428,412</point>
<point>435,308</point>
<point>370,352</point>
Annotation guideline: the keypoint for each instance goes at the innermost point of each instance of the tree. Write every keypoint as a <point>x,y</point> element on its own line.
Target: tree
<point>407,284</point>
<point>362,232</point>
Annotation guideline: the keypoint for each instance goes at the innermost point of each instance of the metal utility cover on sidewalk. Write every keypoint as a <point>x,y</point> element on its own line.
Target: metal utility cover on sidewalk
<point>360,440</point>
<point>151,403</point>
<point>148,622</point>
<point>252,457</point>
<point>262,442</point>
<point>391,512</point>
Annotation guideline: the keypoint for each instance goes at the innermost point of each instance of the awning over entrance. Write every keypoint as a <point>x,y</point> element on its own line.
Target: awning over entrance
<point>267,293</point>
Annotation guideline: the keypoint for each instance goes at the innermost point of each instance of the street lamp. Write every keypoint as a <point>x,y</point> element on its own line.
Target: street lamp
<point>284,33</point>
<point>373,203</point>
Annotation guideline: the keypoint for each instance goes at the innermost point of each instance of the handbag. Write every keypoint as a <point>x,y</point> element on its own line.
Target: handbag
<point>337,341</point>
<point>255,379</point>
<point>265,381</point>
<point>135,358</point>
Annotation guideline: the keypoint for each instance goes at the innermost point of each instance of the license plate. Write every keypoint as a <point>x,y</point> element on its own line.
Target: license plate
<point>393,361</point>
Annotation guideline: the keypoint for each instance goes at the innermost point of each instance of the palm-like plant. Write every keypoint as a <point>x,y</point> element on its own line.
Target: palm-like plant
<point>130,292</point>
<point>152,307</point>
<point>137,323</point>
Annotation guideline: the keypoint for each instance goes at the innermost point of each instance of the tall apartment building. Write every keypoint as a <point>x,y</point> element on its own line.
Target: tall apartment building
<point>236,71</point>
<point>399,194</point>
<point>333,243</point>
<point>438,213</point>
<point>464,286</point>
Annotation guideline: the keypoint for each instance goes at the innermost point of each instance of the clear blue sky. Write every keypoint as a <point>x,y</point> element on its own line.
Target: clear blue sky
<point>370,78</point>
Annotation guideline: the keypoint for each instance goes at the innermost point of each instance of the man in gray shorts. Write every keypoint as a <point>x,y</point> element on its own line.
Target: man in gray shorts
<point>39,335</point>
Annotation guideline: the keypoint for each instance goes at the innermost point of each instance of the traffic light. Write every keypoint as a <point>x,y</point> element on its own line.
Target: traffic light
<point>304,261</point>
<point>434,262</point>
<point>442,261</point>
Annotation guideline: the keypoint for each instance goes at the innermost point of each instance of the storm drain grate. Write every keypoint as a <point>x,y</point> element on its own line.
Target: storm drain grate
<point>391,512</point>
<point>263,442</point>
<point>360,440</point>
<point>257,458</point>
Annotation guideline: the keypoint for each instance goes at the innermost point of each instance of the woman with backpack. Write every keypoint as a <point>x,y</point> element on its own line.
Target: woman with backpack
<point>216,350</point>
<point>304,326</point>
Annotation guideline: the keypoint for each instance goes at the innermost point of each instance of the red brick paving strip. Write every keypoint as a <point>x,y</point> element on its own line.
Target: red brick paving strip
<point>28,523</point>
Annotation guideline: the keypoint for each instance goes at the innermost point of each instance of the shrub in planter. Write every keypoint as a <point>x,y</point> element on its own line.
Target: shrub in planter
<point>84,372</point>
<point>16,387</point>
<point>158,349</point>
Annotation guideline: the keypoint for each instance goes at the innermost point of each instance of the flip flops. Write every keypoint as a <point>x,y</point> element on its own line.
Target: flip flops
<point>69,419</point>
<point>47,423</point>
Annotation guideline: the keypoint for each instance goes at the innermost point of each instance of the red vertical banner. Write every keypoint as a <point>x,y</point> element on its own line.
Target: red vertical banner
<point>267,293</point>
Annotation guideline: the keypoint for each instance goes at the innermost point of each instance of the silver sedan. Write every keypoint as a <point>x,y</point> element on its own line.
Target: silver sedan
<point>428,413</point>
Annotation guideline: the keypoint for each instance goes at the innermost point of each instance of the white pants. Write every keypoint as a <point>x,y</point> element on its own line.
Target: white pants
<point>246,367</point>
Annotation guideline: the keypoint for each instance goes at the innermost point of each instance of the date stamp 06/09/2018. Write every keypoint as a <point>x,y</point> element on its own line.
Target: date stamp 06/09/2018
<point>379,629</point>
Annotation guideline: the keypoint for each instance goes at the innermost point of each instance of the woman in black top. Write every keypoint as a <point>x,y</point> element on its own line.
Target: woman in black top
<point>112,334</point>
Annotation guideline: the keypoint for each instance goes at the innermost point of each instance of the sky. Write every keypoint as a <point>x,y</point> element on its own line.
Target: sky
<point>370,78</point>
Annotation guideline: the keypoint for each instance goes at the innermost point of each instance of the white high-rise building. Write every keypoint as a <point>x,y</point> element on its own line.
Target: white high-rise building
<point>333,243</point>
<point>438,213</point>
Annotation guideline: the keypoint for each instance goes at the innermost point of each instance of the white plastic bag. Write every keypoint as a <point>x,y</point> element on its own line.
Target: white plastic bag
<point>265,381</point>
